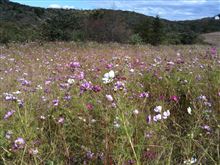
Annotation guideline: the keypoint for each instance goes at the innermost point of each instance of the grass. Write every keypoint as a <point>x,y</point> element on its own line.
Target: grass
<point>64,119</point>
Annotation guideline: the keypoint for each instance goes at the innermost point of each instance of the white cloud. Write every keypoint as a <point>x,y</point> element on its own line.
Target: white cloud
<point>57,6</point>
<point>68,7</point>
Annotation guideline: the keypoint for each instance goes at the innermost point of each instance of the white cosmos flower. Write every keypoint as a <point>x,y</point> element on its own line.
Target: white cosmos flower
<point>158,109</point>
<point>70,81</point>
<point>108,77</point>
<point>157,117</point>
<point>109,98</point>
<point>166,114</point>
<point>135,112</point>
<point>189,110</point>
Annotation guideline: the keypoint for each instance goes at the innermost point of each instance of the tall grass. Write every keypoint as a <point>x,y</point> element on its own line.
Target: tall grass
<point>160,107</point>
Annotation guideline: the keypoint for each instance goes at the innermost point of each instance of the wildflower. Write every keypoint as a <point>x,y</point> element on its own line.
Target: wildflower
<point>158,109</point>
<point>119,85</point>
<point>144,95</point>
<point>25,82</point>
<point>67,97</point>
<point>202,98</point>
<point>19,143</point>
<point>70,81</point>
<point>89,155</point>
<point>61,120</point>
<point>166,114</point>
<point>108,77</point>
<point>132,70</point>
<point>9,97</point>
<point>174,98</point>
<point>170,63</point>
<point>189,110</point>
<point>208,104</point>
<point>96,88</point>
<point>109,66</point>
<point>17,92</point>
<point>8,134</point>
<point>56,102</point>
<point>193,160</point>
<point>89,106</point>
<point>85,86</point>
<point>157,117</point>
<point>117,125</point>
<point>80,76</point>
<point>135,112</point>
<point>148,119</point>
<point>206,127</point>
<point>20,103</point>
<point>9,114</point>
<point>42,117</point>
<point>93,120</point>
<point>75,65</point>
<point>109,98</point>
<point>47,82</point>
<point>33,151</point>
<point>213,52</point>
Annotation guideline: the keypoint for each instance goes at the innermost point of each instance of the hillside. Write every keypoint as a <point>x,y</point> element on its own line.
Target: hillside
<point>212,38</point>
<point>25,23</point>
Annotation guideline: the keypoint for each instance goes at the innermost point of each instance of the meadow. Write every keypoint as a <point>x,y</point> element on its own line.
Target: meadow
<point>71,103</point>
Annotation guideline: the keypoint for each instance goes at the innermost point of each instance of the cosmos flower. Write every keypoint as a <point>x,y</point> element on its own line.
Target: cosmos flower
<point>9,97</point>
<point>193,160</point>
<point>96,88</point>
<point>109,66</point>
<point>19,143</point>
<point>8,134</point>
<point>119,85</point>
<point>158,109</point>
<point>148,119</point>
<point>9,114</point>
<point>157,117</point>
<point>89,106</point>
<point>75,65</point>
<point>109,98</point>
<point>86,86</point>
<point>61,120</point>
<point>33,151</point>
<point>108,77</point>
<point>70,81</point>
<point>56,102</point>
<point>174,98</point>
<point>189,110</point>
<point>144,95</point>
<point>166,114</point>
<point>135,112</point>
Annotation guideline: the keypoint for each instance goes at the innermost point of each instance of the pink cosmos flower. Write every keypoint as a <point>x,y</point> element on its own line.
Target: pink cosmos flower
<point>174,98</point>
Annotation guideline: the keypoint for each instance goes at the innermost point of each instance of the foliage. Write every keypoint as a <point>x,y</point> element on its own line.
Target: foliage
<point>32,23</point>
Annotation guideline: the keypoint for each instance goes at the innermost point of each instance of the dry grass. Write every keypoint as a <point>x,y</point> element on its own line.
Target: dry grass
<point>60,122</point>
<point>212,38</point>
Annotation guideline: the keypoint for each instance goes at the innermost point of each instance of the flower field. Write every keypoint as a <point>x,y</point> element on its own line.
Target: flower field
<point>71,103</point>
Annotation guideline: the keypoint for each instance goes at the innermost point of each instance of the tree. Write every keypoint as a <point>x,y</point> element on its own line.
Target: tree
<point>143,29</point>
<point>157,31</point>
<point>61,26</point>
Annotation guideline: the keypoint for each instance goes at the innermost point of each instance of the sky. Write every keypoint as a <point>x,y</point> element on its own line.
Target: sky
<point>168,9</point>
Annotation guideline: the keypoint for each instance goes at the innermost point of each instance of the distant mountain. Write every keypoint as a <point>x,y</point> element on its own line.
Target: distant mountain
<point>24,23</point>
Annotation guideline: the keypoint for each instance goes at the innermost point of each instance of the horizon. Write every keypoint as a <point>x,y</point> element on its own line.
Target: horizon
<point>170,10</point>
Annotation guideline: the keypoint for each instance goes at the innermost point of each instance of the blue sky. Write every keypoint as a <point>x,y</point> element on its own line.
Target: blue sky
<point>168,9</point>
